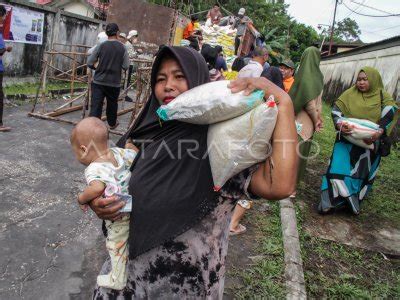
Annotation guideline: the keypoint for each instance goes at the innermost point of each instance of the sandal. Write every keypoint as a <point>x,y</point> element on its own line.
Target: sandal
<point>242,229</point>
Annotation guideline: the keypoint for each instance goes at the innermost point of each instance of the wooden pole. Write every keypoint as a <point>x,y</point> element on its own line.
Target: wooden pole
<point>73,75</point>
<point>86,105</point>
<point>121,112</point>
<point>38,90</point>
<point>332,29</point>
<point>45,117</point>
<point>44,84</point>
<point>64,111</point>
<point>70,101</point>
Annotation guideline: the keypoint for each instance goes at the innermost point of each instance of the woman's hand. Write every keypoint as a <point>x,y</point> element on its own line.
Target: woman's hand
<point>319,125</point>
<point>248,85</point>
<point>107,208</point>
<point>344,128</point>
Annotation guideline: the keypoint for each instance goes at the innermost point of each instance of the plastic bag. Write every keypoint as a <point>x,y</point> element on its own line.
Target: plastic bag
<point>239,143</point>
<point>209,103</point>
<point>361,129</point>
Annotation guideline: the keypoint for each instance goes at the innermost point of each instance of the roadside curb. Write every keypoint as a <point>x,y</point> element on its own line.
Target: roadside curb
<point>294,274</point>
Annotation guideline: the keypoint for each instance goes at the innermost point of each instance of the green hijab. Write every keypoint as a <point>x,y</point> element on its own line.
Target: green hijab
<point>308,81</point>
<point>368,105</point>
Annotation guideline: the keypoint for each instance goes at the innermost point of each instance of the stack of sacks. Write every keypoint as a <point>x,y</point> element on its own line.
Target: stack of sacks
<point>360,130</point>
<point>241,126</point>
<point>221,36</point>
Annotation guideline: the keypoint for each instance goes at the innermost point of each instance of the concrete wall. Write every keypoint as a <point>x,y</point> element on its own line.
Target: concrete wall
<point>340,70</point>
<point>59,27</point>
<point>79,9</point>
<point>154,23</point>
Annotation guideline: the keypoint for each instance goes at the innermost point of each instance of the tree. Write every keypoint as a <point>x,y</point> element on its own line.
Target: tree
<point>347,30</point>
<point>301,37</point>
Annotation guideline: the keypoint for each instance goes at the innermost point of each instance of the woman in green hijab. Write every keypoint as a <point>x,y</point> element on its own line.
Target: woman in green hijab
<point>352,169</point>
<point>306,96</point>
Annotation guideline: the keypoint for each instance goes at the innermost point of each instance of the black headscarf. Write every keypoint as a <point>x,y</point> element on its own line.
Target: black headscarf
<point>238,64</point>
<point>210,55</point>
<point>170,195</point>
<point>274,74</point>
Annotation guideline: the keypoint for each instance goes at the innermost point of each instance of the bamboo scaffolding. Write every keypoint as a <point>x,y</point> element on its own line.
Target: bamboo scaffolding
<point>50,118</point>
<point>82,101</point>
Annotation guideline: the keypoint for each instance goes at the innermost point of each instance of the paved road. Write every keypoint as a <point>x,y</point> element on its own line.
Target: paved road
<point>48,248</point>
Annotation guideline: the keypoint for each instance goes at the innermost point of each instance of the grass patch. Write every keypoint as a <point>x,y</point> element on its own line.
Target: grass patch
<point>338,271</point>
<point>332,270</point>
<point>265,278</point>
<point>31,88</point>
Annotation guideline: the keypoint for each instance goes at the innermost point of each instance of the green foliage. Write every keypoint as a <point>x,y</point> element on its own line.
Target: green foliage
<point>347,30</point>
<point>301,37</point>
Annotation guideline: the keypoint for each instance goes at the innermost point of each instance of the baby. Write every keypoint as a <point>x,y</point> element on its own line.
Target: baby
<point>107,173</point>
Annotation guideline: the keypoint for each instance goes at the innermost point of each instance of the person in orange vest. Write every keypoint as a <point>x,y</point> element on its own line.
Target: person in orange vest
<point>287,69</point>
<point>190,33</point>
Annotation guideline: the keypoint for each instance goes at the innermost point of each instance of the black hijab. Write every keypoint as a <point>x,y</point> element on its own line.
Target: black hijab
<point>210,55</point>
<point>170,195</point>
<point>274,74</point>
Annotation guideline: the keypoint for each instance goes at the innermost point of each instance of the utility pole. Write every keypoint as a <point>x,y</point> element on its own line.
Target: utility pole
<point>332,28</point>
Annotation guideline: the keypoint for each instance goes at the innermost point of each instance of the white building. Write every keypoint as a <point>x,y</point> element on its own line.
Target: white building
<point>88,8</point>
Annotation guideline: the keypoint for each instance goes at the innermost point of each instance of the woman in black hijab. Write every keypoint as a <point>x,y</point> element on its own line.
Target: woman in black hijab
<point>179,226</point>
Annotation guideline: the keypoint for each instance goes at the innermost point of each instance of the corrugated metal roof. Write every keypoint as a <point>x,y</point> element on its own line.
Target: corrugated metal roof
<point>387,43</point>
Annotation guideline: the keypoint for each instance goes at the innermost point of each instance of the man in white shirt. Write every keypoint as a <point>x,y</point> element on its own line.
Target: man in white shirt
<point>131,39</point>
<point>255,67</point>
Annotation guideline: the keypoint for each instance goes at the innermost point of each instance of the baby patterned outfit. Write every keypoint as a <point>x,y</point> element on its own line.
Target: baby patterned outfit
<point>116,178</point>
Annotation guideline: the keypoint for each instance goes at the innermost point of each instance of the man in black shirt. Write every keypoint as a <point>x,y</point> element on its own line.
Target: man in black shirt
<point>111,57</point>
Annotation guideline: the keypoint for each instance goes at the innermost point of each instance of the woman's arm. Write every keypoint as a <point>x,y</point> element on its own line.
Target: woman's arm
<point>277,180</point>
<point>311,109</point>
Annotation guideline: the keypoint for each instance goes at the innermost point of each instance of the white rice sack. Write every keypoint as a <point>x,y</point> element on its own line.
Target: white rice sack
<point>237,144</point>
<point>360,129</point>
<point>209,103</point>
<point>358,142</point>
